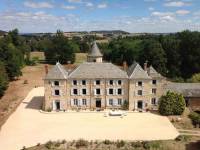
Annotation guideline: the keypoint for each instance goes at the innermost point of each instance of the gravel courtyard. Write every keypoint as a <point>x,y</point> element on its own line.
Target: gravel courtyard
<point>27,126</point>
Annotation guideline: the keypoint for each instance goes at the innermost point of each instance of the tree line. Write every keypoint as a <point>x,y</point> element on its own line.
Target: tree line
<point>176,55</point>
<point>14,52</point>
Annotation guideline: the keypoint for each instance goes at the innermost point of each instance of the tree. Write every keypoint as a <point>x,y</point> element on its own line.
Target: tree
<point>61,49</point>
<point>153,52</point>
<point>195,78</point>
<point>171,104</point>
<point>3,79</point>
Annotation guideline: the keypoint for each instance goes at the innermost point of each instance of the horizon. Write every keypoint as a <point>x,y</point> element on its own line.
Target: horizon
<point>138,16</point>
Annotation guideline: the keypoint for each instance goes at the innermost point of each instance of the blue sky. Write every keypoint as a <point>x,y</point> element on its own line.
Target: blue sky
<point>86,15</point>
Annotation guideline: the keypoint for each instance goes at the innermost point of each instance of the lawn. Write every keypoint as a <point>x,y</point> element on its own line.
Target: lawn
<point>80,58</point>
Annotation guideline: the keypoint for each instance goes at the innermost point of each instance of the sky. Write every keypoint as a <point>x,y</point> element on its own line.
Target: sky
<point>135,16</point>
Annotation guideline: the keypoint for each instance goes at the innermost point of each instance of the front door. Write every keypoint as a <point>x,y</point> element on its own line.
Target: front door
<point>57,105</point>
<point>140,105</point>
<point>98,103</point>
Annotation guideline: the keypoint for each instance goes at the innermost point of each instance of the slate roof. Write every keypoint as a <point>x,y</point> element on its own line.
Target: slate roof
<point>187,89</point>
<point>95,52</point>
<point>153,73</point>
<point>135,71</point>
<point>98,70</point>
<point>57,72</point>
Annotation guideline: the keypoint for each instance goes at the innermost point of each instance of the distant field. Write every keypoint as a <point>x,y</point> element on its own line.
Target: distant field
<point>39,55</point>
<point>80,58</point>
<point>102,41</point>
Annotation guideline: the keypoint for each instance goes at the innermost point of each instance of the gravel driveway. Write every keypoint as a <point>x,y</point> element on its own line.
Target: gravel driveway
<point>27,126</point>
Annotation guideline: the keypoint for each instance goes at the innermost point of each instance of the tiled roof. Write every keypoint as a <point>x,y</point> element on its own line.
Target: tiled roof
<point>153,73</point>
<point>95,52</point>
<point>187,89</point>
<point>135,71</point>
<point>57,72</point>
<point>98,70</point>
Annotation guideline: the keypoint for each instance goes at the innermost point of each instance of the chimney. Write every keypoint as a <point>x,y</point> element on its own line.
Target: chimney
<point>46,69</point>
<point>145,65</point>
<point>124,65</point>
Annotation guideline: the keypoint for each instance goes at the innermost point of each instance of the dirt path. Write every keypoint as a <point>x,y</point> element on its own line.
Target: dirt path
<point>189,132</point>
<point>17,90</point>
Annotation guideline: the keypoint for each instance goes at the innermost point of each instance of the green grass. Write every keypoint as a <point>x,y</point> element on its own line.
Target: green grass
<point>80,58</point>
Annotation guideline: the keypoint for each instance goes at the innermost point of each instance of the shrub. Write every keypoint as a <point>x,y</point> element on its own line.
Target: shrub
<point>183,138</point>
<point>195,117</point>
<point>171,104</point>
<point>120,143</point>
<point>24,148</point>
<point>49,145</point>
<point>107,142</point>
<point>63,141</point>
<point>57,144</point>
<point>38,144</point>
<point>152,145</point>
<point>125,105</point>
<point>81,143</point>
<point>136,144</point>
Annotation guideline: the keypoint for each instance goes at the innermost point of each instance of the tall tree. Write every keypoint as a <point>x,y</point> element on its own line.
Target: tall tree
<point>3,78</point>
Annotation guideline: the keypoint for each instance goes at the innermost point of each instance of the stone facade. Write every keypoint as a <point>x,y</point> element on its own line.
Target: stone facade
<point>101,85</point>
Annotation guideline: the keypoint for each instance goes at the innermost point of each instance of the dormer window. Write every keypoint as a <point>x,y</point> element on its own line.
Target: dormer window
<point>119,82</point>
<point>97,82</point>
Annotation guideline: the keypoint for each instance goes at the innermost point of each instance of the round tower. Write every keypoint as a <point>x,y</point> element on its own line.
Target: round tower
<point>95,55</point>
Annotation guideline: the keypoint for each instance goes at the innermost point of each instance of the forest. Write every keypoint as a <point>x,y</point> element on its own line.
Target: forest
<point>176,56</point>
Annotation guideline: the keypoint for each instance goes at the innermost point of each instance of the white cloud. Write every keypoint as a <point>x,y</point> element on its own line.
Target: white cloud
<point>176,4</point>
<point>164,16</point>
<point>75,1</point>
<point>89,4</point>
<point>103,5</point>
<point>182,12</point>
<point>38,4</point>
<point>151,8</point>
<point>68,7</point>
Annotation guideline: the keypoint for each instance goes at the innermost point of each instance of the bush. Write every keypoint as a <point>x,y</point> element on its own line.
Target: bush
<point>107,142</point>
<point>49,145</point>
<point>125,105</point>
<point>120,143</point>
<point>81,143</point>
<point>183,138</point>
<point>152,145</point>
<point>63,141</point>
<point>171,104</point>
<point>136,144</point>
<point>195,117</point>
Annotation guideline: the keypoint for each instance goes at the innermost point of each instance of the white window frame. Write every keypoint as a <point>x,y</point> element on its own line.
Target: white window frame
<point>96,91</point>
<point>109,102</point>
<point>155,91</point>
<point>76,82</point>
<point>121,91</point>
<point>75,101</point>
<point>95,82</point>
<point>55,92</point>
<point>109,91</point>
<point>85,91</point>
<point>73,91</point>
<point>118,82</point>
<point>84,102</point>
<point>138,92</point>
<point>112,82</point>
<point>82,82</point>
<point>118,101</point>
<point>154,100</point>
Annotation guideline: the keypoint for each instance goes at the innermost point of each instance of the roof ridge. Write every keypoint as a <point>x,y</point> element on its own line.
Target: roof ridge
<point>61,69</point>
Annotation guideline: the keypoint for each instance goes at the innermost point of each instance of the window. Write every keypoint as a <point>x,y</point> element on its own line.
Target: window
<point>83,82</point>
<point>84,91</point>
<point>74,82</point>
<point>139,92</point>
<point>153,101</point>
<point>154,82</point>
<point>111,82</point>
<point>57,92</point>
<point>56,83</point>
<point>111,91</point>
<point>75,91</point>
<point>119,82</point>
<point>119,91</point>
<point>119,101</point>
<point>98,82</point>
<point>98,91</point>
<point>84,101</point>
<point>76,102</point>
<point>139,83</point>
<point>153,91</point>
<point>111,102</point>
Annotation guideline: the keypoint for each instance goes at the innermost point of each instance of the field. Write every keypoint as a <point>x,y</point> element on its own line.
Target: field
<point>39,55</point>
<point>80,58</point>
